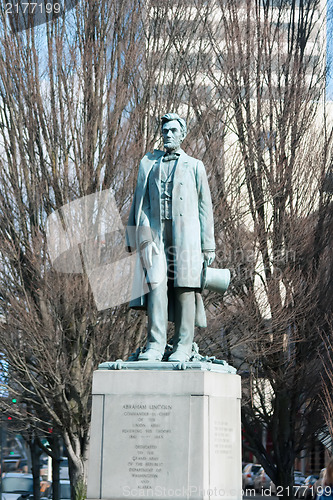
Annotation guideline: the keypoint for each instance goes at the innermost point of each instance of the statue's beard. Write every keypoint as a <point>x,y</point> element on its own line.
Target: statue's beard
<point>172,145</point>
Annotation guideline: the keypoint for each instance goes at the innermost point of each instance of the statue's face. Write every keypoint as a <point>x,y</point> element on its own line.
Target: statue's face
<point>172,135</point>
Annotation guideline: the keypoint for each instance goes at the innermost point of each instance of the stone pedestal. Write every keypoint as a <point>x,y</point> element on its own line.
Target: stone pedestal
<point>167,433</point>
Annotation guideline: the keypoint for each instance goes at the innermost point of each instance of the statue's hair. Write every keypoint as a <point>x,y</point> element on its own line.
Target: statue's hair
<point>168,117</point>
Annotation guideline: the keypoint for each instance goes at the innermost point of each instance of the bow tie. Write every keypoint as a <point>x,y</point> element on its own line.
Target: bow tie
<point>170,156</point>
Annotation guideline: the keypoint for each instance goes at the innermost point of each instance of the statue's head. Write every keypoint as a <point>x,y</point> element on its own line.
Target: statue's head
<point>173,131</point>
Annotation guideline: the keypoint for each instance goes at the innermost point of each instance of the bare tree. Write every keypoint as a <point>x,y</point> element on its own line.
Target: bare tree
<point>65,134</point>
<point>79,99</point>
<point>267,73</point>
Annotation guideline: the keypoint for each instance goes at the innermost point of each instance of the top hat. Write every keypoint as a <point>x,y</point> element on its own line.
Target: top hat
<point>215,280</point>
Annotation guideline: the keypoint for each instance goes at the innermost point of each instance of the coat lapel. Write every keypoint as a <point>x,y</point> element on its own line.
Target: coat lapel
<point>181,167</point>
<point>156,170</point>
<point>147,164</point>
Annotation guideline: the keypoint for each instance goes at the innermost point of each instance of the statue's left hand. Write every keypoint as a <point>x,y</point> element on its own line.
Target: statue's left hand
<point>147,254</point>
<point>209,256</point>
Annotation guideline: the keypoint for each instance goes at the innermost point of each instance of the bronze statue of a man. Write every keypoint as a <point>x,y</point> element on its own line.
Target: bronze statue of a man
<point>171,227</point>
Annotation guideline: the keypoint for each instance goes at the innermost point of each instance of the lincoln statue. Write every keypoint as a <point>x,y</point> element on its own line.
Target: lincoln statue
<point>171,228</point>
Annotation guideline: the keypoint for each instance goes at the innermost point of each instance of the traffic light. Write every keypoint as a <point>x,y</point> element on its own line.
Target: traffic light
<point>12,401</point>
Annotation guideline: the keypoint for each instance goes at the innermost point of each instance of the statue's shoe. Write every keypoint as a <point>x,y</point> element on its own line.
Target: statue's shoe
<point>150,355</point>
<point>179,357</point>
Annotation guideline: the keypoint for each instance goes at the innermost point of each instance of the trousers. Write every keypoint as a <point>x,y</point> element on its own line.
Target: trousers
<point>157,306</point>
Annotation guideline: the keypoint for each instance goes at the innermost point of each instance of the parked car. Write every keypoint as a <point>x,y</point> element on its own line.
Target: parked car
<point>261,480</point>
<point>306,490</point>
<point>64,471</point>
<point>13,463</point>
<point>248,475</point>
<point>65,492</point>
<point>299,478</point>
<point>16,483</point>
<point>65,489</point>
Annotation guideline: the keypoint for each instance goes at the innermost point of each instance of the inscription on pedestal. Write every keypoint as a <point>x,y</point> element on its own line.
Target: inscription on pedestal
<point>225,449</point>
<point>148,423</point>
<point>147,438</point>
<point>223,438</point>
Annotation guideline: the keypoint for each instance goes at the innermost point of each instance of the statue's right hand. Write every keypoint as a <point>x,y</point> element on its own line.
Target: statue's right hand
<point>147,254</point>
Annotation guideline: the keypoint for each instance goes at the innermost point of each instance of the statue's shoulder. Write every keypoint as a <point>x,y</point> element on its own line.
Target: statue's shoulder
<point>149,159</point>
<point>155,155</point>
<point>191,160</point>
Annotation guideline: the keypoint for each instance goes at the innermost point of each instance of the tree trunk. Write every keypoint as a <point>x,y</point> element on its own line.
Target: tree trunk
<point>284,453</point>
<point>35,466</point>
<point>77,475</point>
<point>77,461</point>
<point>55,468</point>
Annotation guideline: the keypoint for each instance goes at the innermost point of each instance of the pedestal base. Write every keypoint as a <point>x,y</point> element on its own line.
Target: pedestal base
<point>165,434</point>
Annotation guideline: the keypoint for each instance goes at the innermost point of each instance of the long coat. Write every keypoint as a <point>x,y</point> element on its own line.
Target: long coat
<point>192,224</point>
